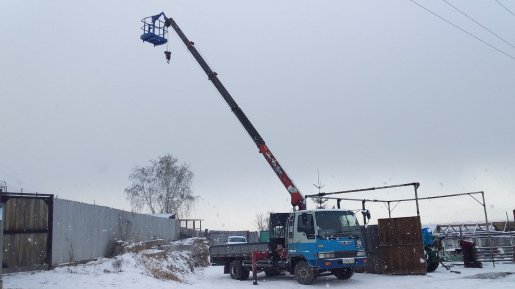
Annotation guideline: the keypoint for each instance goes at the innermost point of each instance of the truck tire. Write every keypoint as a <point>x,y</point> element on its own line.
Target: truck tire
<point>432,260</point>
<point>237,271</point>
<point>303,273</point>
<point>343,273</point>
<point>432,266</point>
<point>234,269</point>
<point>244,274</point>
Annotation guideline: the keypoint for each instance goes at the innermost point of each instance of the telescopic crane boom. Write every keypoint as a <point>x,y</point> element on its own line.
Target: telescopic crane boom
<point>297,199</point>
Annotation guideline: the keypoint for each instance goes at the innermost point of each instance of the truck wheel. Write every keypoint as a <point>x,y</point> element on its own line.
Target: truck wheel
<point>343,273</point>
<point>432,260</point>
<point>235,269</point>
<point>304,274</point>
<point>431,266</point>
<point>244,274</point>
<point>238,272</point>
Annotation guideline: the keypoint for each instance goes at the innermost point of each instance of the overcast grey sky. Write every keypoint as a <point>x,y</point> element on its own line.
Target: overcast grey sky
<point>367,92</point>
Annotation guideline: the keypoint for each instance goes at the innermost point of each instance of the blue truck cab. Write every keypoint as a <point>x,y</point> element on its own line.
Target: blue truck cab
<point>305,243</point>
<point>324,241</point>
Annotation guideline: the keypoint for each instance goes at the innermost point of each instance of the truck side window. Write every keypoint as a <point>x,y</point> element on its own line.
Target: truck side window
<point>305,224</point>
<point>290,227</point>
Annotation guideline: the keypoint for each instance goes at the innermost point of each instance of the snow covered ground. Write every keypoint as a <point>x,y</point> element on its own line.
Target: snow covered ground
<point>181,265</point>
<point>98,275</point>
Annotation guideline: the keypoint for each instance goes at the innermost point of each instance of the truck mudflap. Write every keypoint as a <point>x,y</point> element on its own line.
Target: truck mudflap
<point>328,264</point>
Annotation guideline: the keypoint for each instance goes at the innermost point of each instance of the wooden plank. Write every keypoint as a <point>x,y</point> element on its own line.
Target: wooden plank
<point>26,214</point>
<point>375,263</point>
<point>387,232</point>
<point>403,259</point>
<point>401,248</point>
<point>25,241</point>
<point>23,250</point>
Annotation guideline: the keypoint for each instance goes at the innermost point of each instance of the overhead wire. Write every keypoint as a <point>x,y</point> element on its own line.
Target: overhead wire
<point>463,30</point>
<point>484,27</point>
<point>505,7</point>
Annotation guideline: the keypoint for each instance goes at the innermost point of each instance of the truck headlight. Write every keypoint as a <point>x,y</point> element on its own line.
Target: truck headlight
<point>325,255</point>
<point>361,254</point>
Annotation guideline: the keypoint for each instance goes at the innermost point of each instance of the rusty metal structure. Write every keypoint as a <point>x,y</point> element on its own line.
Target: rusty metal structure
<point>416,199</point>
<point>401,245</point>
<point>388,203</point>
<point>394,246</point>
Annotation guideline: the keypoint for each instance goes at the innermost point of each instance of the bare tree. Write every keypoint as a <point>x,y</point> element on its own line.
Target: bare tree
<point>164,186</point>
<point>143,192</point>
<point>262,221</point>
<point>174,180</point>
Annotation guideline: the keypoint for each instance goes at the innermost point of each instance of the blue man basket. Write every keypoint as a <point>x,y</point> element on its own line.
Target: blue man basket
<point>154,30</point>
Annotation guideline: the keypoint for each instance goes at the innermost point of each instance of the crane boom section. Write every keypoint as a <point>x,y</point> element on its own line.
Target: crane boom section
<point>297,199</point>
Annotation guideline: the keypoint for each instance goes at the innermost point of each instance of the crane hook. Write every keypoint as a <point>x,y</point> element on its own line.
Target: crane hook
<point>168,55</point>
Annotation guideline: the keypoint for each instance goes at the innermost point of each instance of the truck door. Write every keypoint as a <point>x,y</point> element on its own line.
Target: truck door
<point>301,234</point>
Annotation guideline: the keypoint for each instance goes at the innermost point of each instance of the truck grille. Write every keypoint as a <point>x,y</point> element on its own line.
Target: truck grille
<point>345,254</point>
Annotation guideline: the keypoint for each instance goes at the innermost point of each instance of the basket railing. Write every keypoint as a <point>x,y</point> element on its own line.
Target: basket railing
<point>156,27</point>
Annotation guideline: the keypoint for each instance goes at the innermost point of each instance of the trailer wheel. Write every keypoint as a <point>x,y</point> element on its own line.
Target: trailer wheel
<point>238,272</point>
<point>432,260</point>
<point>343,273</point>
<point>304,274</point>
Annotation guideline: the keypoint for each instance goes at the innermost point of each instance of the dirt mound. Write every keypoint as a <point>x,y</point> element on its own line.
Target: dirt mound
<point>172,261</point>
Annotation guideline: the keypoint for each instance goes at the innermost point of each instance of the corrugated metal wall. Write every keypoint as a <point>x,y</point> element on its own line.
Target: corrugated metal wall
<point>84,232</point>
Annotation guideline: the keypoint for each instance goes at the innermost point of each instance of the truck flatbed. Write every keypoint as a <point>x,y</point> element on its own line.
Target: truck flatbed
<point>220,254</point>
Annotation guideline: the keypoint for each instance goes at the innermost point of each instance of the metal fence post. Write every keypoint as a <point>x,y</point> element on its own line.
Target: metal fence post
<point>488,230</point>
<point>1,241</point>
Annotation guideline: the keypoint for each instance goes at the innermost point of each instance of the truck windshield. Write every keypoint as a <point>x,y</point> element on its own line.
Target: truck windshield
<point>237,240</point>
<point>337,224</point>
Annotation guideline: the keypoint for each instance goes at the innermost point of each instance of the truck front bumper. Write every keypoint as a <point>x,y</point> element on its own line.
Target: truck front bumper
<point>328,264</point>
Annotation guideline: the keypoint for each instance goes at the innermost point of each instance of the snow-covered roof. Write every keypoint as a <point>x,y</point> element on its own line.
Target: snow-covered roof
<point>166,216</point>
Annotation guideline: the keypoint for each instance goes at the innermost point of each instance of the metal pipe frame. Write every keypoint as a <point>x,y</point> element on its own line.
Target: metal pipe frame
<point>416,199</point>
